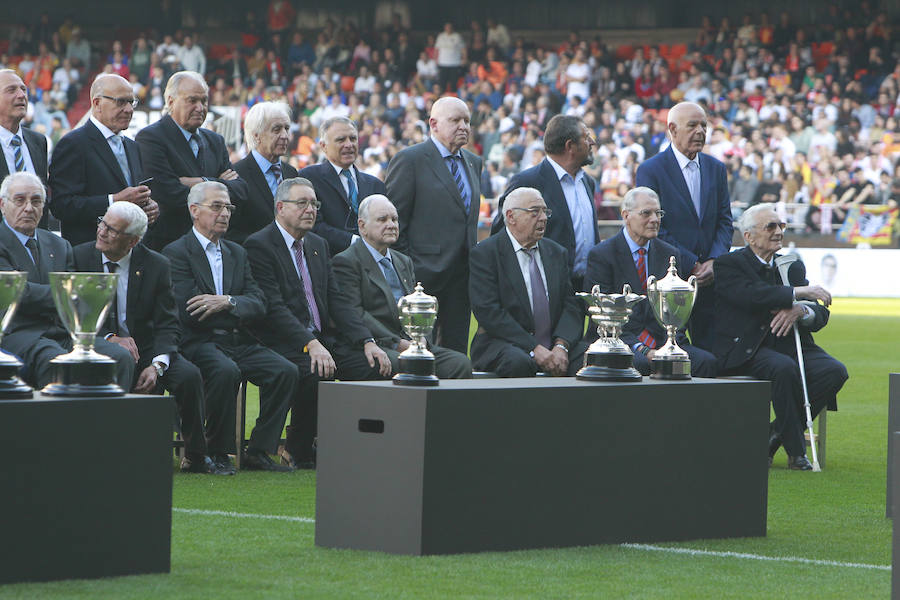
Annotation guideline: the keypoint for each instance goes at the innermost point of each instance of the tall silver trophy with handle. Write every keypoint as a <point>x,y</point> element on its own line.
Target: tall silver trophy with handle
<point>672,300</point>
<point>418,312</point>
<point>12,286</point>
<point>608,358</point>
<point>82,301</point>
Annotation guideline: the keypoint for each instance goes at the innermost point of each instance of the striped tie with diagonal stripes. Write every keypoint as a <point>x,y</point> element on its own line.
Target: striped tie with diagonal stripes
<point>458,178</point>
<point>16,143</point>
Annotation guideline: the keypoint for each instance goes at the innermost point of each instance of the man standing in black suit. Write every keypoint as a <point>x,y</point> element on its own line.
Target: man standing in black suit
<point>567,189</point>
<point>529,319</point>
<point>179,154</point>
<point>340,186</point>
<point>217,298</point>
<point>36,334</point>
<point>756,314</point>
<point>23,149</point>
<point>293,269</point>
<point>267,134</point>
<point>631,257</point>
<point>93,166</point>
<point>436,187</point>
<point>144,321</point>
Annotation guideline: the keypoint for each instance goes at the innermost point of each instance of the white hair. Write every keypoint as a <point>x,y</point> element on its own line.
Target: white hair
<point>137,219</point>
<point>175,82</point>
<point>258,118</point>
<point>199,191</point>
<point>21,176</point>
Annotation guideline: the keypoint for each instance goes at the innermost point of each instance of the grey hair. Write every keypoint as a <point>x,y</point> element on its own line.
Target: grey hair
<point>284,189</point>
<point>747,220</point>
<point>367,202</point>
<point>258,118</point>
<point>175,82</point>
<point>198,192</point>
<point>515,196</point>
<point>28,177</point>
<point>137,219</point>
<point>326,125</point>
<point>630,199</point>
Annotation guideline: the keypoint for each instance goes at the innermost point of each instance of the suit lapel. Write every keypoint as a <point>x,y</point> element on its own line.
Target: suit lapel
<point>676,181</point>
<point>438,166</point>
<point>133,153</point>
<point>101,147</point>
<point>406,273</point>
<point>135,283</point>
<point>38,156</point>
<point>376,275</point>
<point>658,261</point>
<point>626,259</point>
<point>181,146</point>
<point>315,262</point>
<point>229,265</point>
<point>200,263</point>
<point>262,192</point>
<point>331,178</point>
<point>22,259</point>
<point>553,277</point>
<point>510,266</point>
<point>556,199</point>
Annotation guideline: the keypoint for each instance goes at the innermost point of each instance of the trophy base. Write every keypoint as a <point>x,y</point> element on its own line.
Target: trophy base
<point>601,366</point>
<point>83,379</point>
<point>11,387</point>
<point>670,369</point>
<point>416,371</point>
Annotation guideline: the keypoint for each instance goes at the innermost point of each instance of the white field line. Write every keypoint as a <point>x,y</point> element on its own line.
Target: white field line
<point>647,547</point>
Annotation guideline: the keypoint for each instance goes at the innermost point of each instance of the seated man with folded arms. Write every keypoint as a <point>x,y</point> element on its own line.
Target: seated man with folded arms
<point>373,277</point>
<point>529,319</point>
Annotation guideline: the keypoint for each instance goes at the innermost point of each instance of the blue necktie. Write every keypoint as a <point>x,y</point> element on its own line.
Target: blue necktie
<point>16,143</point>
<point>387,266</point>
<point>275,170</point>
<point>458,178</point>
<point>353,195</point>
<point>119,152</point>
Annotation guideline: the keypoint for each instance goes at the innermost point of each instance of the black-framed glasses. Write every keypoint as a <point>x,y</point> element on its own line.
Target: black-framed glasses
<point>304,204</point>
<point>20,201</point>
<point>645,213</point>
<point>771,225</point>
<point>218,207</point>
<point>122,102</point>
<point>111,231</point>
<point>535,211</point>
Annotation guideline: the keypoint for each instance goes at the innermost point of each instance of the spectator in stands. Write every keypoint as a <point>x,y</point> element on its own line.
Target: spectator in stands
<point>78,51</point>
<point>451,50</point>
<point>192,57</point>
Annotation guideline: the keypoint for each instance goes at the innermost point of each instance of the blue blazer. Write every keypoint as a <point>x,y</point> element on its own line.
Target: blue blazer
<point>698,238</point>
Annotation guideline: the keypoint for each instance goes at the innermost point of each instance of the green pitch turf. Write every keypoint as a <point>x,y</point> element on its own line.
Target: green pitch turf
<point>836,515</point>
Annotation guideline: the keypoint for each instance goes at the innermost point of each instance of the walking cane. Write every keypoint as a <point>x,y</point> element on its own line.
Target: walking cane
<point>784,263</point>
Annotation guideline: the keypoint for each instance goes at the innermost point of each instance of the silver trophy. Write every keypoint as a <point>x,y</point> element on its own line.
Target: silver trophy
<point>418,312</point>
<point>12,286</point>
<point>672,300</point>
<point>82,301</point>
<point>609,359</point>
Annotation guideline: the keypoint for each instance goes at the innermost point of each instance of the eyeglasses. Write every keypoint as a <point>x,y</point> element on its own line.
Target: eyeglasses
<point>218,207</point>
<point>771,225</point>
<point>121,102</point>
<point>20,201</point>
<point>111,231</point>
<point>304,204</point>
<point>645,213</point>
<point>535,211</point>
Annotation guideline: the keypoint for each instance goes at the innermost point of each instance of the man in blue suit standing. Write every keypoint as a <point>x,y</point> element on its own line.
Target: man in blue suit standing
<point>693,191</point>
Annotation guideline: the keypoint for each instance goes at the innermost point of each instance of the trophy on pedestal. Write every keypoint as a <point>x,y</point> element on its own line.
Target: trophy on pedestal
<point>82,301</point>
<point>672,300</point>
<point>12,286</point>
<point>609,359</point>
<point>418,312</point>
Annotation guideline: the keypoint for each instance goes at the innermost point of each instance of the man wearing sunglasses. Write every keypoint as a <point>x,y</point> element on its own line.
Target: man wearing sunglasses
<point>756,313</point>
<point>94,165</point>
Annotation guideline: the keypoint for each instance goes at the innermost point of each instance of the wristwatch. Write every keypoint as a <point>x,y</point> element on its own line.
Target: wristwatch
<point>367,340</point>
<point>160,368</point>
<point>232,302</point>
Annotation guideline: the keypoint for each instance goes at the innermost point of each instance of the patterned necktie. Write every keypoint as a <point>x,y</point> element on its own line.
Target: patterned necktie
<point>31,244</point>
<point>352,194</point>
<point>217,270</point>
<point>693,181</point>
<point>112,319</point>
<point>275,170</point>
<point>387,266</point>
<point>645,337</point>
<point>119,152</point>
<point>540,304</point>
<point>458,178</point>
<point>307,285</point>
<point>200,152</point>
<point>16,143</point>
<point>195,144</point>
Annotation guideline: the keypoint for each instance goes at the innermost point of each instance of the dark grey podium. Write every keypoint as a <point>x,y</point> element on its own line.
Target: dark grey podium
<point>85,487</point>
<point>507,464</point>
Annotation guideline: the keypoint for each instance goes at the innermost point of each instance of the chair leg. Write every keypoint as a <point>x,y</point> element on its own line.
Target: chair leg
<point>240,416</point>
<point>821,435</point>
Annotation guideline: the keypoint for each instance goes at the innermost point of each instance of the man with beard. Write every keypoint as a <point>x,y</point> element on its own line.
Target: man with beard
<point>567,189</point>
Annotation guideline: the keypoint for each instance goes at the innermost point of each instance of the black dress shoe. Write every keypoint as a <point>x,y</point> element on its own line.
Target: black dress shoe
<point>799,463</point>
<point>255,460</point>
<point>223,464</point>
<point>288,459</point>
<point>201,464</point>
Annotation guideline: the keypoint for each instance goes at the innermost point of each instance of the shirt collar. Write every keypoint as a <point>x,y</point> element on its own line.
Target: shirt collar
<point>288,238</point>
<point>515,243</point>
<point>632,245</point>
<point>106,131</point>
<point>338,169</point>
<point>123,262</point>
<point>375,253</point>
<point>262,161</point>
<point>6,136</point>
<point>204,241</point>
<point>187,134</point>
<point>560,172</point>
<point>682,159</point>
<point>21,236</point>
<point>443,149</point>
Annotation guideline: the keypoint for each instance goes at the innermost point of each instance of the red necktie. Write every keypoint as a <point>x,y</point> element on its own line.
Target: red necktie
<point>645,336</point>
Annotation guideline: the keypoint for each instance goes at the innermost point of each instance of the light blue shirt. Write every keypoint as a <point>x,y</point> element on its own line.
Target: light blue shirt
<point>377,256</point>
<point>22,238</point>
<point>265,166</point>
<point>632,245</point>
<point>580,210</point>
<point>187,136</point>
<point>462,169</point>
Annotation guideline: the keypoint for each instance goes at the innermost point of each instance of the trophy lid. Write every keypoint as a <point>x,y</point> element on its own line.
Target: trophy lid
<point>672,282</point>
<point>418,301</point>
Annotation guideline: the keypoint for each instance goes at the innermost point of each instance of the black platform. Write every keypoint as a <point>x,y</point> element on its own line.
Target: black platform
<point>506,464</point>
<point>85,487</point>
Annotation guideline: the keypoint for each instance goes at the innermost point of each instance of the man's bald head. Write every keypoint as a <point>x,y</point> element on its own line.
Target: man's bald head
<point>449,123</point>
<point>525,215</point>
<point>687,128</point>
<point>111,101</point>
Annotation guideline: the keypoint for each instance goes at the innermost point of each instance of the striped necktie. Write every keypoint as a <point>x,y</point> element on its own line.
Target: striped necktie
<point>353,194</point>
<point>16,143</point>
<point>458,178</point>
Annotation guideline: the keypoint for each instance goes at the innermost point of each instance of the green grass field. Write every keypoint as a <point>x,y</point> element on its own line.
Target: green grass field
<point>836,515</point>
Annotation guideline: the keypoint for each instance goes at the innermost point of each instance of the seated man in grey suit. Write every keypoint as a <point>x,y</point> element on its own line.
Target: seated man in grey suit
<point>529,318</point>
<point>373,278</point>
<point>36,334</point>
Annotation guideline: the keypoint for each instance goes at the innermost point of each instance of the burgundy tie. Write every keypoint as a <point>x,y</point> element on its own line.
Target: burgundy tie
<point>645,337</point>
<point>307,285</point>
<point>540,305</point>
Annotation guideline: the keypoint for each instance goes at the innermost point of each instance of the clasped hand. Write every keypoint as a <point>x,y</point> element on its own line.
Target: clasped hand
<point>206,305</point>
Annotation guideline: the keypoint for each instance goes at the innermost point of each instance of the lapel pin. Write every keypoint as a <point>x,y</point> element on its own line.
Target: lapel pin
<point>137,273</point>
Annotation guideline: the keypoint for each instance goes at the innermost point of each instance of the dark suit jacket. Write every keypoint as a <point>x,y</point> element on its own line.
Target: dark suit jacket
<point>83,173</point>
<point>336,221</point>
<point>37,148</point>
<point>36,314</point>
<point>435,230</point>
<point>259,208</point>
<point>288,326</point>
<point>559,227</point>
<point>610,265</point>
<point>699,239</point>
<point>151,315</point>
<point>368,293</point>
<point>500,299</point>
<point>744,301</point>
<point>192,276</point>
<point>167,156</point>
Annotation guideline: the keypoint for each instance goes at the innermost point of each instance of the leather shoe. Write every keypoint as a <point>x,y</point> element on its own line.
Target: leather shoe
<point>799,463</point>
<point>201,464</point>
<point>288,459</point>
<point>261,461</point>
<point>223,464</point>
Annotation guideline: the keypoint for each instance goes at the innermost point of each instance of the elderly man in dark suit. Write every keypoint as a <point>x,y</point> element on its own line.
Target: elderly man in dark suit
<point>36,334</point>
<point>340,186</point>
<point>179,154</point>
<point>693,190</point>
<point>293,269</point>
<point>267,134</point>
<point>217,299</point>
<point>94,166</point>
<point>436,187</point>
<point>567,190</point>
<point>373,277</point>
<point>631,257</point>
<point>144,321</point>
<point>529,319</point>
<point>23,149</point>
<point>757,312</point>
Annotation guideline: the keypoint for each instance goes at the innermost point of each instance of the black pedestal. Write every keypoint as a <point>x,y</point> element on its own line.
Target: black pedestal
<point>77,380</point>
<point>416,371</point>
<point>608,366</point>
<point>11,387</point>
<point>86,487</point>
<point>670,369</point>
